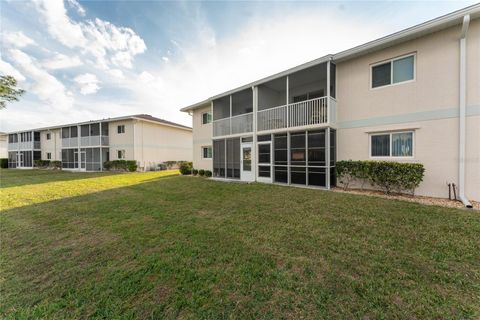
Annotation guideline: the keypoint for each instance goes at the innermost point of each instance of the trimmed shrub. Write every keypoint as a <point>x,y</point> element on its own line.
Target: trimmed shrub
<point>56,165</point>
<point>194,172</point>
<point>120,165</point>
<point>387,175</point>
<point>208,173</point>
<point>4,163</point>
<point>185,167</point>
<point>201,172</point>
<point>42,164</point>
<point>170,164</point>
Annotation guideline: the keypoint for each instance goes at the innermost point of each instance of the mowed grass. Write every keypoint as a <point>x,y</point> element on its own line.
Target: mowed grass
<point>158,246</point>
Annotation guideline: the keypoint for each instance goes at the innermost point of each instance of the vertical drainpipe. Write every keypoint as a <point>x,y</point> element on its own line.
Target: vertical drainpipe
<point>462,116</point>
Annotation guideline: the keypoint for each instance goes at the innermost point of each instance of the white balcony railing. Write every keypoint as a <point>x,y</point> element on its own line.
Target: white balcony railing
<point>304,113</point>
<point>90,141</point>
<point>233,125</point>
<point>12,146</point>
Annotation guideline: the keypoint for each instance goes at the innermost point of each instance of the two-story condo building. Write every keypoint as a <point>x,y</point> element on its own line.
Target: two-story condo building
<point>86,146</point>
<point>412,96</point>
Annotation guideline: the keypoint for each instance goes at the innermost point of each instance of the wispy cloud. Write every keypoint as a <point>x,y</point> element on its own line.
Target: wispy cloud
<point>88,83</point>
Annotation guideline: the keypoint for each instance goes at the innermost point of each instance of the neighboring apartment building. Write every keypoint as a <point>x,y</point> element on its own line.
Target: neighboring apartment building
<point>86,146</point>
<point>413,96</point>
<point>3,145</point>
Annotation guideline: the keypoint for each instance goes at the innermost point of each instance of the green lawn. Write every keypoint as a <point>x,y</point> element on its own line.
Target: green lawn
<point>161,246</point>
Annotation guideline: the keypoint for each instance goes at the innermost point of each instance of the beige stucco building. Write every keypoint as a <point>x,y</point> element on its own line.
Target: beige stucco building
<point>86,146</point>
<point>413,96</point>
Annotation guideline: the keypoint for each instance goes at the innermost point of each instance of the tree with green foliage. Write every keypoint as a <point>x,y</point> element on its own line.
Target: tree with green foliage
<point>8,90</point>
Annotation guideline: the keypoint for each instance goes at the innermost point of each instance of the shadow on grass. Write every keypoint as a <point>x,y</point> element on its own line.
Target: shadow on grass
<point>21,177</point>
<point>192,248</point>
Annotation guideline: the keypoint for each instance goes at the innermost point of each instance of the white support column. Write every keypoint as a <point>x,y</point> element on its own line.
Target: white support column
<point>79,137</point>
<point>287,95</point>
<point>288,158</point>
<point>230,114</point>
<point>327,157</point>
<point>328,92</point>
<point>101,147</point>
<point>254,129</point>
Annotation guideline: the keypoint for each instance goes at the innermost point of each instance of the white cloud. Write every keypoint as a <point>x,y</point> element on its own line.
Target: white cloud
<point>61,61</point>
<point>74,4</point>
<point>146,77</point>
<point>7,69</point>
<point>165,58</point>
<point>88,83</point>
<point>59,25</point>
<point>47,88</point>
<point>17,39</point>
<point>107,43</point>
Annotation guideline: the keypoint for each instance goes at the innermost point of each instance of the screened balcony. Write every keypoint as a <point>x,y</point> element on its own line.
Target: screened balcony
<point>86,135</point>
<point>298,100</point>
<point>29,140</point>
<point>233,114</point>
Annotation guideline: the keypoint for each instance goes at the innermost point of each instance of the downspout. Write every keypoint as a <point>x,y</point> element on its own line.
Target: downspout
<point>462,116</point>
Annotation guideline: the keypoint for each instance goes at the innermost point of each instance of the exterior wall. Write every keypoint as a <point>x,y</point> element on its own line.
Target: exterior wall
<point>54,145</point>
<point>202,137</point>
<point>3,146</point>
<point>156,143</point>
<point>121,141</point>
<point>429,104</point>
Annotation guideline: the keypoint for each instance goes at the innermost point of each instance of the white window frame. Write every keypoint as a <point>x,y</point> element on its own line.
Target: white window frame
<point>122,126</point>
<point>211,117</point>
<point>390,133</point>
<point>122,151</point>
<point>205,147</point>
<point>49,156</point>
<point>413,54</point>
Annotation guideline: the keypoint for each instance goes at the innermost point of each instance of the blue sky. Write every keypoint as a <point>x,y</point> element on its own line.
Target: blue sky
<point>97,59</point>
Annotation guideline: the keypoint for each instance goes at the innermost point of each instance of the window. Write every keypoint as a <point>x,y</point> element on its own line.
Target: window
<point>207,152</point>
<point>395,144</point>
<point>49,136</point>
<point>206,117</point>
<point>121,129</point>
<point>121,154</point>
<point>49,155</point>
<point>394,71</point>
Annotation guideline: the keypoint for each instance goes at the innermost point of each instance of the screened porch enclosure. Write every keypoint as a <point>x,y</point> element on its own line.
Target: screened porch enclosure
<point>88,159</point>
<point>295,158</point>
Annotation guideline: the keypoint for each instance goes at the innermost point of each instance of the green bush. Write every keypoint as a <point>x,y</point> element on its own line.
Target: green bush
<point>194,172</point>
<point>56,165</point>
<point>170,164</point>
<point>185,167</point>
<point>208,173</point>
<point>43,164</point>
<point>201,172</point>
<point>4,163</point>
<point>387,175</point>
<point>120,165</point>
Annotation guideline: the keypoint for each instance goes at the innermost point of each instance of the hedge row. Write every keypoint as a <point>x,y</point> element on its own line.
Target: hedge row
<point>201,173</point>
<point>47,164</point>
<point>185,167</point>
<point>387,175</point>
<point>120,165</point>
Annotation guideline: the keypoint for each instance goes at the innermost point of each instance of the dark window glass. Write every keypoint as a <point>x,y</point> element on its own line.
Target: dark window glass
<point>233,158</point>
<point>333,177</point>
<point>37,155</point>
<point>49,136</point>
<point>381,75</point>
<point>219,158</point>
<point>298,175</point>
<point>121,129</point>
<point>317,177</point>
<point>73,132</point>
<point>104,129</point>
<point>95,129</point>
<point>281,174</point>
<point>264,153</point>
<point>381,145</point>
<point>206,117</point>
<point>36,136</point>
<point>297,149</point>
<point>65,133</point>
<point>265,137</point>
<point>264,171</point>
<point>316,157</point>
<point>247,139</point>
<point>316,139</point>
<point>84,130</point>
<point>333,145</point>
<point>333,74</point>
<point>300,98</point>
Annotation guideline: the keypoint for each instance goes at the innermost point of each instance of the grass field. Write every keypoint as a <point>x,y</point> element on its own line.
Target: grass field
<point>161,246</point>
